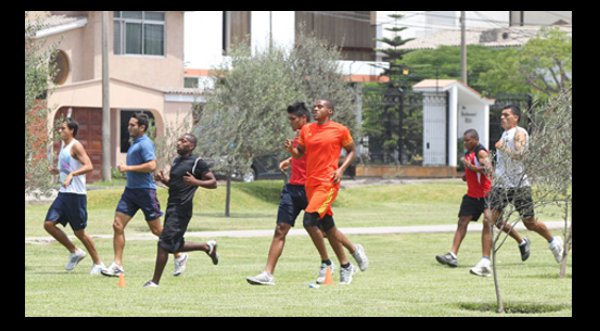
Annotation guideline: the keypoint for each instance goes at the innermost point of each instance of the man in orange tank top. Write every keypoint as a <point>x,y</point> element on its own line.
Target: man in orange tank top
<point>321,142</point>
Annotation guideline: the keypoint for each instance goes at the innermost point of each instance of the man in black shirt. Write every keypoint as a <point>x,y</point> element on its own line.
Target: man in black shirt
<point>187,173</point>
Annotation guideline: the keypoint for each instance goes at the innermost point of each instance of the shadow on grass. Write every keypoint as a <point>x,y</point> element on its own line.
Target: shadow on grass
<point>514,307</point>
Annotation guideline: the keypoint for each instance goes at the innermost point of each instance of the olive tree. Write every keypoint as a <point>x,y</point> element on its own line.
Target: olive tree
<point>37,71</point>
<point>547,163</point>
<point>245,114</point>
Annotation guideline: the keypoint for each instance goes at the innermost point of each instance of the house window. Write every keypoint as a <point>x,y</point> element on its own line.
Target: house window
<point>236,29</point>
<point>191,82</point>
<point>125,117</point>
<point>139,32</point>
<point>59,66</point>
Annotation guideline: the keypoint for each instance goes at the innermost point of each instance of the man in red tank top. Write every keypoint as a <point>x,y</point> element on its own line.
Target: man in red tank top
<point>478,170</point>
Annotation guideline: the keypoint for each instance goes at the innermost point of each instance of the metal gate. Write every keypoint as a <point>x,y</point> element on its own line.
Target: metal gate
<point>524,101</point>
<point>393,126</point>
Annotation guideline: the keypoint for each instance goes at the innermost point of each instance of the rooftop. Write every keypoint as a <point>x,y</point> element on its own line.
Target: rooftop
<point>498,37</point>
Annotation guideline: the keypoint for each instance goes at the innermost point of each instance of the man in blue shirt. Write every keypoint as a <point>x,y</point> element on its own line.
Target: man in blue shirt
<point>140,193</point>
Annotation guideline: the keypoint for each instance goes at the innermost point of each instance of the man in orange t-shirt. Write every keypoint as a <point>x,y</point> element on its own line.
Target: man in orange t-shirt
<point>321,142</point>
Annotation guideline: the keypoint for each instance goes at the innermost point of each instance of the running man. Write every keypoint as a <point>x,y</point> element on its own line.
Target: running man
<point>478,170</point>
<point>322,142</point>
<point>512,184</point>
<point>70,206</point>
<point>188,172</point>
<point>140,193</point>
<point>293,200</point>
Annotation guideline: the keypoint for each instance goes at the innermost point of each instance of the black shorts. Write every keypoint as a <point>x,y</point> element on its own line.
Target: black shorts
<point>312,219</point>
<point>177,219</point>
<point>136,198</point>
<point>292,201</point>
<point>69,208</point>
<point>473,207</point>
<point>519,197</point>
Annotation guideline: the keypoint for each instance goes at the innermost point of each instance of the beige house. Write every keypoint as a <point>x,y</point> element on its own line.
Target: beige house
<point>146,73</point>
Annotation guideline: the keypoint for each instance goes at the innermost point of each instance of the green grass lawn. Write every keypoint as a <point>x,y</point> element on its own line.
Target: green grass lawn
<point>254,206</point>
<point>403,280</point>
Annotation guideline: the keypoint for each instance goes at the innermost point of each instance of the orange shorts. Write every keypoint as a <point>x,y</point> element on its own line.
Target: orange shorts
<point>320,198</point>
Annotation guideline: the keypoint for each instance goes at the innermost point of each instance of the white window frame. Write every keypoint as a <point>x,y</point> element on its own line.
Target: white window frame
<point>122,23</point>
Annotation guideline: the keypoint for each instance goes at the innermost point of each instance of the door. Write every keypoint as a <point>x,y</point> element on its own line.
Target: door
<point>89,134</point>
<point>434,129</point>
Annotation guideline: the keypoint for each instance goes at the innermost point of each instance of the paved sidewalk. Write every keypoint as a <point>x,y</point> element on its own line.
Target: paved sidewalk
<point>450,228</point>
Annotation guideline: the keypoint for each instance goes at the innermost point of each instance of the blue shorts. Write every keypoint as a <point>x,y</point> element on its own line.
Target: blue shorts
<point>293,200</point>
<point>136,198</point>
<point>69,208</point>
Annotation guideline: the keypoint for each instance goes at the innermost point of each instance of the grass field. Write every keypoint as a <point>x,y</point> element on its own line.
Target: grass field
<point>254,206</point>
<point>403,278</point>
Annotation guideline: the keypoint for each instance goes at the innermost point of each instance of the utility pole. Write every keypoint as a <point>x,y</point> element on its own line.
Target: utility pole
<point>106,175</point>
<point>270,31</point>
<point>463,49</point>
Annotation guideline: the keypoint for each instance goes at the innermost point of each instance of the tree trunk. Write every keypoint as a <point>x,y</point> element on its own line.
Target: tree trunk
<point>499,302</point>
<point>568,237</point>
<point>228,194</point>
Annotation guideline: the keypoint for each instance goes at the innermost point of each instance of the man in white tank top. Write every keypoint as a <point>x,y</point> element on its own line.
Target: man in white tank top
<point>511,184</point>
<point>70,206</point>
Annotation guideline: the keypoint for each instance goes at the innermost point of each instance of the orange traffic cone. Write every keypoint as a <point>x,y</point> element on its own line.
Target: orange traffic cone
<point>328,277</point>
<point>121,280</point>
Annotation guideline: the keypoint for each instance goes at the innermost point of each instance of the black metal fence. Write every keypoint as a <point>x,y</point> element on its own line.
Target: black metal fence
<point>392,126</point>
<point>524,101</point>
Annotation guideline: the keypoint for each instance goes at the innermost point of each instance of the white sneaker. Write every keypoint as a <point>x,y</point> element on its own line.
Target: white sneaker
<point>74,259</point>
<point>180,264</point>
<point>482,268</point>
<point>114,270</point>
<point>212,251</point>
<point>323,272</point>
<point>556,246</point>
<point>97,268</point>
<point>150,284</point>
<point>361,258</point>
<point>346,274</point>
<point>264,278</point>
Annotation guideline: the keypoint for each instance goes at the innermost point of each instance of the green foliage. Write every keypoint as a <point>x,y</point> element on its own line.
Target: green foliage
<point>395,131</point>
<point>550,154</point>
<point>165,145</point>
<point>314,70</point>
<point>37,71</point>
<point>542,67</point>
<point>393,54</point>
<point>444,63</point>
<point>394,127</point>
<point>413,285</point>
<point>245,115</point>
